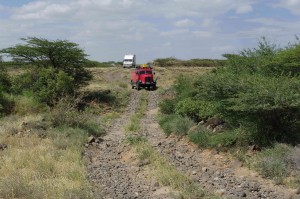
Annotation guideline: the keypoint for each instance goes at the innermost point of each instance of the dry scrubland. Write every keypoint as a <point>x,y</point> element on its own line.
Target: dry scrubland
<point>43,159</point>
<point>41,147</point>
<point>41,163</point>
<point>40,160</point>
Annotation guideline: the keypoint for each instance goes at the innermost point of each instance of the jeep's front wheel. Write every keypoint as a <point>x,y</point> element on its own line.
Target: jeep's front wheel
<point>154,87</point>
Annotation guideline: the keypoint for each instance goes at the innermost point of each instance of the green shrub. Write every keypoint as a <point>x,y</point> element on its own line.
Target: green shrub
<point>67,137</point>
<point>221,141</point>
<point>24,81</point>
<point>181,125</point>
<point>256,92</point>
<point>5,82</point>
<point>175,124</point>
<point>245,94</point>
<point>27,104</point>
<point>166,123</point>
<point>184,87</point>
<point>167,106</point>
<point>90,63</point>
<point>201,137</point>
<point>6,103</point>
<point>134,124</point>
<point>46,84</point>
<point>286,62</point>
<point>195,109</point>
<point>65,113</point>
<point>5,86</point>
<point>165,62</point>
<point>173,62</point>
<point>271,162</point>
<point>51,85</point>
<point>134,139</point>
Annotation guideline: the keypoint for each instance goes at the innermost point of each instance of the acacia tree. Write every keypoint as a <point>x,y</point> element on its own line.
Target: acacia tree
<point>57,68</point>
<point>59,54</point>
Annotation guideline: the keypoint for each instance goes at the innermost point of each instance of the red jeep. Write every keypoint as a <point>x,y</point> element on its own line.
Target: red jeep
<point>143,77</point>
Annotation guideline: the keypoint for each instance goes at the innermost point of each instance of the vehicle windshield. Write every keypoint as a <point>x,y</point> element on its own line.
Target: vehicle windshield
<point>146,72</point>
<point>128,60</point>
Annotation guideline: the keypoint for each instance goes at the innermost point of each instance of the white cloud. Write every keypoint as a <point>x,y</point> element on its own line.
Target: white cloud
<point>202,34</point>
<point>222,49</point>
<point>184,23</point>
<point>167,44</point>
<point>175,32</point>
<point>151,28</point>
<point>292,5</point>
<point>244,9</point>
<point>290,2</point>
<point>41,11</point>
<point>208,22</point>
<point>261,31</point>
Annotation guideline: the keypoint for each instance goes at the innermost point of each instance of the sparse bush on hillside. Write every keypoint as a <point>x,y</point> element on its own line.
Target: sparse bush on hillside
<point>90,63</point>
<point>173,62</point>
<point>165,62</point>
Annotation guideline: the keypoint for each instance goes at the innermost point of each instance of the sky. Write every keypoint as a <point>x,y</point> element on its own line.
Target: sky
<point>184,29</point>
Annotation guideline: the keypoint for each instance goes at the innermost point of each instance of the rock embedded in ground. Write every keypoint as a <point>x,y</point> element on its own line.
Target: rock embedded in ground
<point>91,139</point>
<point>2,147</point>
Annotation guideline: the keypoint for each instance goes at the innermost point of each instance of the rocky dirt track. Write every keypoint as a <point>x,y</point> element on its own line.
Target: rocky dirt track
<point>117,173</point>
<point>113,168</point>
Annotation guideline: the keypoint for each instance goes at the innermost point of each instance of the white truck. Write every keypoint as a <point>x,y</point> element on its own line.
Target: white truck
<point>129,61</point>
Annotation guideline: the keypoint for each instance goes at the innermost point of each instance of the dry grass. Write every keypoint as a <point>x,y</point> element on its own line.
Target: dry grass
<point>167,76</point>
<point>35,167</point>
<point>113,78</point>
<point>134,124</point>
<point>116,80</point>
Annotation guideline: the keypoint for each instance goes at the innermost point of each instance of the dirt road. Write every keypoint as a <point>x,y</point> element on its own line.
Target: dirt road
<point>117,173</point>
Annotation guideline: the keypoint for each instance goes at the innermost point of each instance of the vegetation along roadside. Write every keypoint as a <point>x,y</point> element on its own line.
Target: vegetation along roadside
<point>249,107</point>
<point>47,115</point>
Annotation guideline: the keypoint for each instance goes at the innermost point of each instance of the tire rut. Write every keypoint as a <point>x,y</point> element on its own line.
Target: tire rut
<point>111,166</point>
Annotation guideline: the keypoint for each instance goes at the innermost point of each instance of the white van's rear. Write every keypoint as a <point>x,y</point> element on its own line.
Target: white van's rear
<point>129,61</point>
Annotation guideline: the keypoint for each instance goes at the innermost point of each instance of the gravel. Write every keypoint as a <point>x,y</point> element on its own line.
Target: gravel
<point>115,176</point>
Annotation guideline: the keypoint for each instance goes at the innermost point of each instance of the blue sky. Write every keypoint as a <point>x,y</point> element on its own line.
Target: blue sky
<point>185,29</point>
